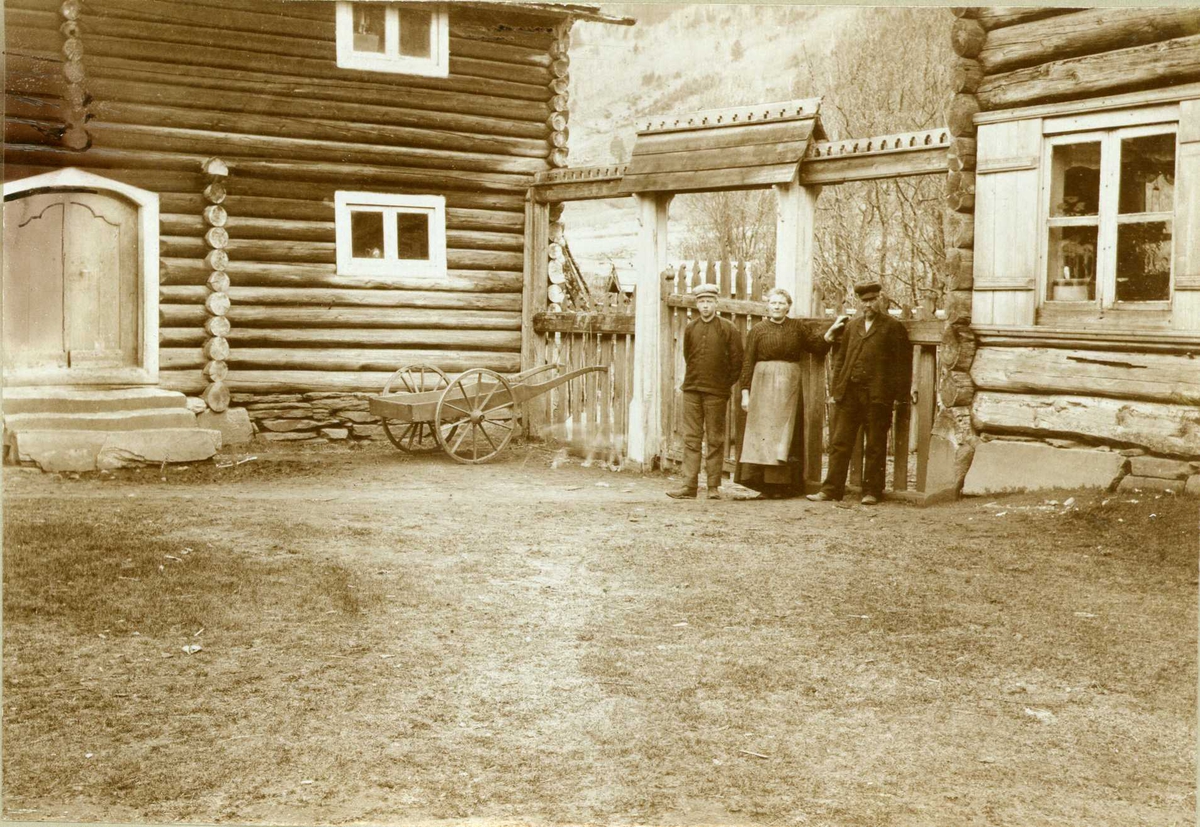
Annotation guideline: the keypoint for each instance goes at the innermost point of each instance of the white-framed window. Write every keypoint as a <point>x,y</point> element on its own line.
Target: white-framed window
<point>1108,215</point>
<point>386,235</point>
<point>393,37</point>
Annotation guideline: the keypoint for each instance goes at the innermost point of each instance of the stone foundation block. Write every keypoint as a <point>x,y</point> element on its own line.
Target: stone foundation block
<point>1192,488</point>
<point>335,433</point>
<point>233,423</point>
<point>288,425</point>
<point>1132,483</point>
<point>1167,469</point>
<point>1001,465</point>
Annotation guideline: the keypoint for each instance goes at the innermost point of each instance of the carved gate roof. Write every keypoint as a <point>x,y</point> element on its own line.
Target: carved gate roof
<point>740,147</point>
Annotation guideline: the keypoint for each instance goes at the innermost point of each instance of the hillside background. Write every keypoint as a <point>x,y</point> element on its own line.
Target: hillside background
<point>879,70</point>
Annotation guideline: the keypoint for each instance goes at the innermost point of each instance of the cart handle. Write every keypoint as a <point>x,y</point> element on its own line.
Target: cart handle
<point>525,374</point>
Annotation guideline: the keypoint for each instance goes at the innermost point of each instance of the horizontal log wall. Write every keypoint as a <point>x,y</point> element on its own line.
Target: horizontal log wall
<point>1023,57</point>
<point>255,82</point>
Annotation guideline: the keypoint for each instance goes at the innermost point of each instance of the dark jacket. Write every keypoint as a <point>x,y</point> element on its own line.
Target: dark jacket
<point>713,354</point>
<point>880,359</point>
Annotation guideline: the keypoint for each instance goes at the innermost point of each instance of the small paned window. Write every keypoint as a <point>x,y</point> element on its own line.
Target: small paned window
<point>384,235</point>
<point>393,37</point>
<point>1110,216</point>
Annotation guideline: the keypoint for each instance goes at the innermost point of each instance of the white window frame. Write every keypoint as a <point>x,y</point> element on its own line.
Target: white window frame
<point>436,65</point>
<point>1107,129</point>
<point>434,206</point>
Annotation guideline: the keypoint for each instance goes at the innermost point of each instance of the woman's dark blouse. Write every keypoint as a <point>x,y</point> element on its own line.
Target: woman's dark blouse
<point>786,342</point>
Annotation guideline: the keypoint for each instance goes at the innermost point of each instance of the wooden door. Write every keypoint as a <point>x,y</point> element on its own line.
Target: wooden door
<point>71,300</point>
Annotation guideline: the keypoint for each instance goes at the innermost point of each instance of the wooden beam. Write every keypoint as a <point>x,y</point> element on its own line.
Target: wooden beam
<point>533,298</point>
<point>819,171</point>
<point>1162,428</point>
<point>1155,377</point>
<point>645,408</point>
<point>795,219</point>
<point>583,323</point>
<point>1141,67</point>
<point>1088,31</point>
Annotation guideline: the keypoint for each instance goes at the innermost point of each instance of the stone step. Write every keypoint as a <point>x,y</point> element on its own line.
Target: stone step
<point>87,450</point>
<point>106,421</point>
<point>23,400</point>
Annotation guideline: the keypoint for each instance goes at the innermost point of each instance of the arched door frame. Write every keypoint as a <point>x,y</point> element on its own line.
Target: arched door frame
<point>73,178</point>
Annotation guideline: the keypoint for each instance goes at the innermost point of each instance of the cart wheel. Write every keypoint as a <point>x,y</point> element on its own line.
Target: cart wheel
<point>413,437</point>
<point>476,416</point>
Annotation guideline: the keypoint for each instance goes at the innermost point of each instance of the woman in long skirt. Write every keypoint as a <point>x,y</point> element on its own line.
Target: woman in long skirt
<point>771,460</point>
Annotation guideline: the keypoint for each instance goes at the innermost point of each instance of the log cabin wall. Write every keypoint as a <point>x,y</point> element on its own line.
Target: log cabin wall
<point>1103,380</point>
<point>145,91</point>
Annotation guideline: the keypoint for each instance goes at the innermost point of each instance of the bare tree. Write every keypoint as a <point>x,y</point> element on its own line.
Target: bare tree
<point>889,73</point>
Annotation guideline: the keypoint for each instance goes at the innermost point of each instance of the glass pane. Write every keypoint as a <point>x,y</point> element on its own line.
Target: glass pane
<point>370,19</point>
<point>1148,174</point>
<point>1072,270</point>
<point>415,25</point>
<point>412,235</point>
<point>366,230</point>
<point>1144,262</point>
<point>1075,179</point>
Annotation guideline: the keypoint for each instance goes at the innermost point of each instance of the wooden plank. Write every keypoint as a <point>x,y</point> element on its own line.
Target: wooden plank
<point>677,182</point>
<point>1186,314</point>
<point>766,132</point>
<point>533,297</point>
<point>814,417</point>
<point>1159,427</point>
<point>839,170</point>
<point>569,322</point>
<point>559,193</point>
<point>900,444</point>
<point>925,377</point>
<point>756,155</point>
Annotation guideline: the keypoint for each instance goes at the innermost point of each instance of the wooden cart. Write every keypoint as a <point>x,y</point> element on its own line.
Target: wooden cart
<point>471,417</point>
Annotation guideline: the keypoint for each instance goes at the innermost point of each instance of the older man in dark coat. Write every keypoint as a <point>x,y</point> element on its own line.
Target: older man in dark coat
<point>872,370</point>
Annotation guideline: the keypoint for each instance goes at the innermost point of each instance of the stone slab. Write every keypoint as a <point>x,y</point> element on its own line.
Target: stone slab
<point>1000,465</point>
<point>1167,469</point>
<point>1133,483</point>
<point>91,450</point>
<point>335,433</point>
<point>233,423</point>
<point>151,418</point>
<point>22,400</point>
<point>1192,488</point>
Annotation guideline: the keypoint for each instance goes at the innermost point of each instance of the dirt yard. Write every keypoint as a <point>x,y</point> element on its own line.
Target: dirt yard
<point>356,636</point>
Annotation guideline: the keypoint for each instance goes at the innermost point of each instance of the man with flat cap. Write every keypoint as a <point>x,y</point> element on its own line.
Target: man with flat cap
<point>872,370</point>
<point>712,351</point>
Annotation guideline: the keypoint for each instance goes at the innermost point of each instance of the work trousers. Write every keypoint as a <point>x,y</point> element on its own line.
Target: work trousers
<point>855,410</point>
<point>703,418</point>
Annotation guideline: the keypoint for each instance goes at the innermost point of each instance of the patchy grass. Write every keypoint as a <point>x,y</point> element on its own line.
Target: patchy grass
<point>387,639</point>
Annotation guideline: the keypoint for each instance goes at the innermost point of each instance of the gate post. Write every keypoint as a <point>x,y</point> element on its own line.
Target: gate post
<point>533,300</point>
<point>645,404</point>
<point>795,218</point>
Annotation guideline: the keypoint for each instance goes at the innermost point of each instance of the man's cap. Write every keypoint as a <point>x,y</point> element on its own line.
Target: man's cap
<point>705,289</point>
<point>868,289</point>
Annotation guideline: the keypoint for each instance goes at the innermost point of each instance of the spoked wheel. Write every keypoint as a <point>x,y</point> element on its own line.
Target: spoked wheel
<point>414,437</point>
<point>476,416</point>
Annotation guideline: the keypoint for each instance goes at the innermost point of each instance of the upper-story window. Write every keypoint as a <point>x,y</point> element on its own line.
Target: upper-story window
<point>390,236</point>
<point>393,37</point>
<point>1109,201</point>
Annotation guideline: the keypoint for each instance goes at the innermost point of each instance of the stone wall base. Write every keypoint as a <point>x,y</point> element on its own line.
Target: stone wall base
<point>323,417</point>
